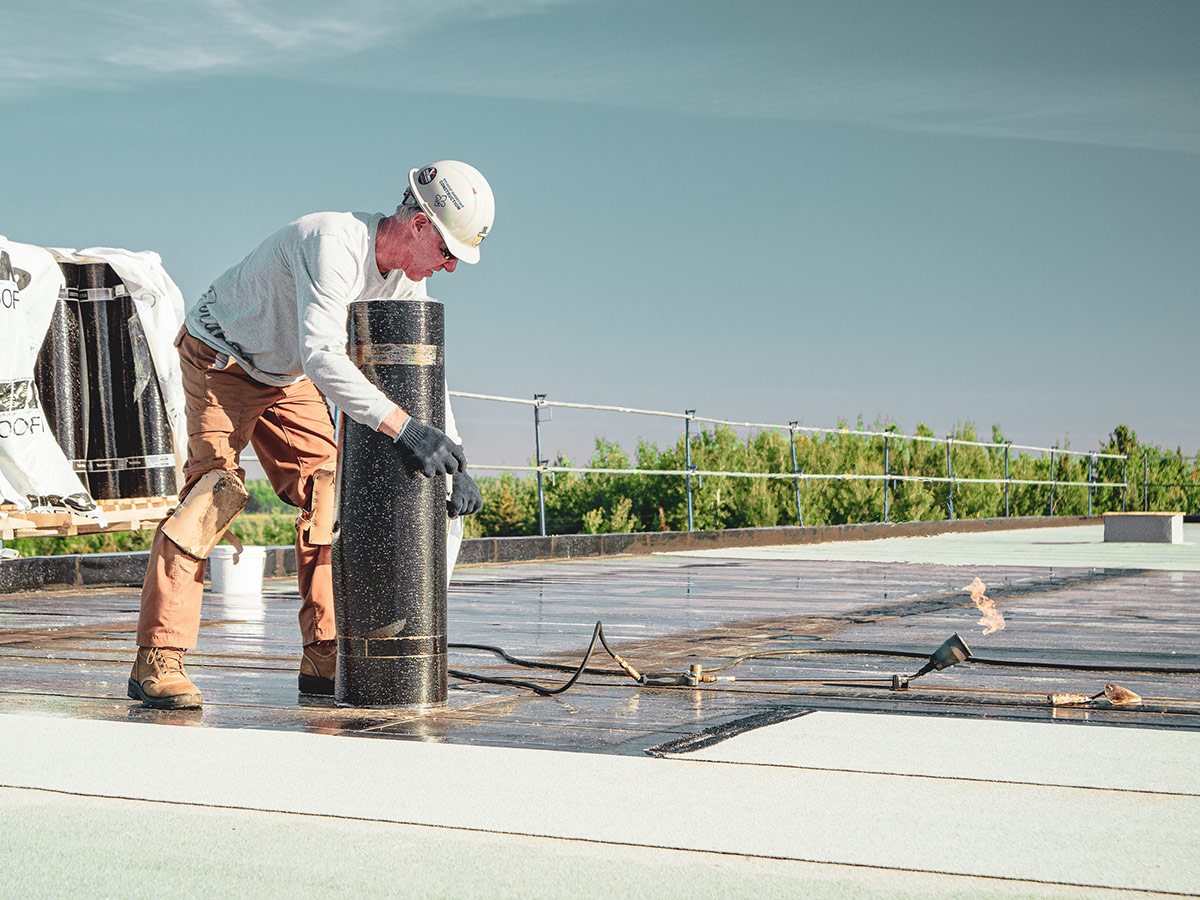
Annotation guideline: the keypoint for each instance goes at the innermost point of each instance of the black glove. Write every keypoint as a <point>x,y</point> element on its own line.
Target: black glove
<point>427,450</point>
<point>464,497</point>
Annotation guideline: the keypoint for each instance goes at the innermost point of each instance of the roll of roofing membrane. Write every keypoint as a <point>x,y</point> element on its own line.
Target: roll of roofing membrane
<point>389,546</point>
<point>61,379</point>
<point>143,438</point>
<point>95,286</point>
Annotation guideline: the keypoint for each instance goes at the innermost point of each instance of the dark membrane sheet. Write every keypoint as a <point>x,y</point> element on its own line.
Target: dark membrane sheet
<point>61,378</point>
<point>93,281</point>
<point>143,437</point>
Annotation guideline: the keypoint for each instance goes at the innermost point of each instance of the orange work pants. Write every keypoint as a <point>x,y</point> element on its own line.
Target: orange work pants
<point>292,436</point>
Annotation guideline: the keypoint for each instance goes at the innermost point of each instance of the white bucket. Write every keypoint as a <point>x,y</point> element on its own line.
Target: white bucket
<point>243,577</point>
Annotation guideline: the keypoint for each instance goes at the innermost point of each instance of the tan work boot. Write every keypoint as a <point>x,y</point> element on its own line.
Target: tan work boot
<point>159,680</point>
<point>317,668</point>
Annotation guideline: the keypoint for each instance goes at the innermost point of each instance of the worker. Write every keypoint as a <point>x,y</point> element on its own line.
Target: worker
<point>261,350</point>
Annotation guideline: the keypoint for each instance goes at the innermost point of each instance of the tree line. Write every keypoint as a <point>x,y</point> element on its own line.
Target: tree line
<point>1158,479</point>
<point>596,503</point>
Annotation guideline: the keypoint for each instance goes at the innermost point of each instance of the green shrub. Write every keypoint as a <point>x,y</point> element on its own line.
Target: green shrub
<point>619,502</point>
<point>595,503</point>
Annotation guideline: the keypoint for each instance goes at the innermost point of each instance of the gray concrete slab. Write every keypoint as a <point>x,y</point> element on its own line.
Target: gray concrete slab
<point>1148,527</point>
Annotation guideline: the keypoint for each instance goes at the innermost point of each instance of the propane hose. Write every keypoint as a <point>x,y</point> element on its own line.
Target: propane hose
<point>677,679</point>
<point>536,688</point>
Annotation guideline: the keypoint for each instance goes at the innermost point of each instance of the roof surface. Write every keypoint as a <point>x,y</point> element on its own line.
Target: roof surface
<point>807,776</point>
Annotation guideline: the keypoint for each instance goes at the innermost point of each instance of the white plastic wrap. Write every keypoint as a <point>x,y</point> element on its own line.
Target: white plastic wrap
<point>454,527</point>
<point>34,471</point>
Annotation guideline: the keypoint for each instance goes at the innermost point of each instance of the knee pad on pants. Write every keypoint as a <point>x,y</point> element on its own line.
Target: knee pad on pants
<point>323,506</point>
<point>203,516</point>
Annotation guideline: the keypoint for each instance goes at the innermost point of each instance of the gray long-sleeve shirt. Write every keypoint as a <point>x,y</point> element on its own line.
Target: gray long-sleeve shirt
<point>281,312</point>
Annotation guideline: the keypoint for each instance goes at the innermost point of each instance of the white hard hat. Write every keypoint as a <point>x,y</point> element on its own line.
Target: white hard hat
<point>459,202</point>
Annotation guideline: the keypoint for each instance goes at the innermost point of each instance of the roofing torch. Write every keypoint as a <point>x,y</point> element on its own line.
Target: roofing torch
<point>693,676</point>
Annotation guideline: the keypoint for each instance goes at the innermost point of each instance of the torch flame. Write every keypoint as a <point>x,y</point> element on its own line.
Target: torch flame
<point>1119,696</point>
<point>992,620</point>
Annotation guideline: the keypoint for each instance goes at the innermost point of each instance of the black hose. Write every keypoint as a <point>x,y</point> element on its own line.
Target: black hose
<point>533,664</point>
<point>598,633</point>
<point>537,688</point>
<point>981,660</point>
<point>776,654</point>
<point>1087,667</point>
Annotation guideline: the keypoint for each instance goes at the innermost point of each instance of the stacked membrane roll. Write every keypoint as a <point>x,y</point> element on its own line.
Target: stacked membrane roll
<point>143,436</point>
<point>61,379</point>
<point>94,285</point>
<point>99,390</point>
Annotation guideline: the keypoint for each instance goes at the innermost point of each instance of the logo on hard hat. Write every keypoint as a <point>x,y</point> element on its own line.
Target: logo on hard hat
<point>479,237</point>
<point>426,175</point>
<point>439,199</point>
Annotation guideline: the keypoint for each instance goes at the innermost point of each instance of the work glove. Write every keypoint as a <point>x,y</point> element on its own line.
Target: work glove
<point>427,450</point>
<point>464,497</point>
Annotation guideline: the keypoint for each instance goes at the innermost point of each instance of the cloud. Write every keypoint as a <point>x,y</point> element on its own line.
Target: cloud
<point>791,61</point>
<point>1119,108</point>
<point>1125,77</point>
<point>119,44</point>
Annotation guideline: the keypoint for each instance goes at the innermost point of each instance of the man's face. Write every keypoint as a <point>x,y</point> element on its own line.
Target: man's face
<point>430,254</point>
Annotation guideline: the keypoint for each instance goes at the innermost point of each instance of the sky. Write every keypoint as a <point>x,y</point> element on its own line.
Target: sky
<point>936,212</point>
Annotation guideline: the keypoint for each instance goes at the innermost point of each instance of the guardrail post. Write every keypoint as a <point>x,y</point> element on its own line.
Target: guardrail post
<point>687,451</point>
<point>1051,482</point>
<point>887,471</point>
<point>1145,480</point>
<point>538,400</point>
<point>1124,480</point>
<point>796,473</point>
<point>1091,479</point>
<point>949,480</point>
<point>1007,480</point>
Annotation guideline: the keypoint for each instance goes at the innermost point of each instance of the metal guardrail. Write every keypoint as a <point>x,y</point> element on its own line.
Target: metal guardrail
<point>689,472</point>
<point>1147,483</point>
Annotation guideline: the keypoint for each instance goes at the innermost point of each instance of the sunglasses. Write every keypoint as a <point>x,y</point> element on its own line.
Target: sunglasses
<point>446,254</point>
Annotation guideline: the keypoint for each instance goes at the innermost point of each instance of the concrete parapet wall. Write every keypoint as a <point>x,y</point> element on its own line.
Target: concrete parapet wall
<point>37,573</point>
<point>574,546</point>
<point>70,572</point>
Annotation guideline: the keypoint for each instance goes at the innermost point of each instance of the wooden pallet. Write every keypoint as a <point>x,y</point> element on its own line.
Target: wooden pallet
<point>131,514</point>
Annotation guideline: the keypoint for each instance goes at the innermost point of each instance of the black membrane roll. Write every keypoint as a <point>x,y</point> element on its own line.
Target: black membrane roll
<point>95,286</point>
<point>143,437</point>
<point>61,377</point>
<point>389,548</point>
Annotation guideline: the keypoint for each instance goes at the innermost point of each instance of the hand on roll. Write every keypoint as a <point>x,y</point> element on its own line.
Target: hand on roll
<point>464,497</point>
<point>427,450</point>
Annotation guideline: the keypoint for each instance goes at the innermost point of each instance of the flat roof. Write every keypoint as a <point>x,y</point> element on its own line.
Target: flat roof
<point>1076,546</point>
<point>807,776</point>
